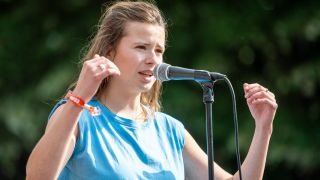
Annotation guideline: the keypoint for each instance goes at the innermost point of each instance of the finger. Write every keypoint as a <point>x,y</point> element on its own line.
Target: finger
<point>250,89</point>
<point>254,90</point>
<point>105,64</point>
<point>111,64</point>
<point>95,58</point>
<point>261,89</point>
<point>91,62</point>
<point>110,70</point>
<point>113,71</point>
<point>247,87</point>
<point>107,72</point>
<point>265,101</point>
<point>101,63</point>
<point>101,60</point>
<point>250,86</point>
<point>271,93</point>
<point>254,87</point>
<point>260,95</point>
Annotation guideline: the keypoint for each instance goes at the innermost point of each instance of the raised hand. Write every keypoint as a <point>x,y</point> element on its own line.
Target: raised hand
<point>92,73</point>
<point>262,105</point>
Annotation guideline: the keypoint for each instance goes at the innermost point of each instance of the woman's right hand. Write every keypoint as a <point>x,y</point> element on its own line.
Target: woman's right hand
<point>92,73</point>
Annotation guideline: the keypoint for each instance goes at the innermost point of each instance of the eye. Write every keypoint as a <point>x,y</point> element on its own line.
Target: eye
<point>159,51</point>
<point>141,47</point>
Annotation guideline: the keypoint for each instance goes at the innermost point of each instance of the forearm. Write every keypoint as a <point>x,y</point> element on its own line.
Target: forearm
<point>254,163</point>
<point>47,158</point>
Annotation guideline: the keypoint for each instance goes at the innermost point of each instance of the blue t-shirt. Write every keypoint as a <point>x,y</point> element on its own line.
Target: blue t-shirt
<point>113,147</point>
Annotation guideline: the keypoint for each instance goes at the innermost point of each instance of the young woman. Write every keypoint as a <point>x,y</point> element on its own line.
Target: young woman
<point>128,138</point>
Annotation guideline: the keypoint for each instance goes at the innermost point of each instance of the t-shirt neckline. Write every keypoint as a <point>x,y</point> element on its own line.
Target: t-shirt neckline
<point>123,120</point>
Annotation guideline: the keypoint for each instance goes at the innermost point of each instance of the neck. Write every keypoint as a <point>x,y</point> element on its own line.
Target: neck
<point>122,103</point>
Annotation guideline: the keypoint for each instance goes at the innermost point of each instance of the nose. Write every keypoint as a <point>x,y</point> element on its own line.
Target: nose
<point>153,58</point>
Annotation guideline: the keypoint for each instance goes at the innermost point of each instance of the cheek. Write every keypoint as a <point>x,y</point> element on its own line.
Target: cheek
<point>128,62</point>
<point>133,57</point>
<point>160,60</point>
<point>124,63</point>
<point>127,70</point>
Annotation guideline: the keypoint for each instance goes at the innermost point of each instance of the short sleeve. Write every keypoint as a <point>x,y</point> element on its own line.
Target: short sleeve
<point>181,132</point>
<point>175,127</point>
<point>61,102</point>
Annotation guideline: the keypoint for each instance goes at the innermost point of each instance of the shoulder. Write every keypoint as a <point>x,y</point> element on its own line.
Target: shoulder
<point>172,127</point>
<point>170,124</point>
<point>57,105</point>
<point>164,118</point>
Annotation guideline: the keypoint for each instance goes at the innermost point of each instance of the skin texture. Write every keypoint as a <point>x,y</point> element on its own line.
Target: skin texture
<point>130,66</point>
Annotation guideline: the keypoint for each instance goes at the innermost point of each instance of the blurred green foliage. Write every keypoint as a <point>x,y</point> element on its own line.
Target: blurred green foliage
<point>274,43</point>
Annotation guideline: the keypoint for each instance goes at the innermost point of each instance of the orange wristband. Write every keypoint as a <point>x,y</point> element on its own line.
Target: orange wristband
<point>76,100</point>
<point>94,111</point>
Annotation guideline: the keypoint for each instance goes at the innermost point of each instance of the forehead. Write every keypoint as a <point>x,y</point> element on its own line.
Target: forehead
<point>147,33</point>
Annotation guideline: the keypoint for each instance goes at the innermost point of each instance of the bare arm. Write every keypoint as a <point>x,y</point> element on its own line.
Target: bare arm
<point>254,164</point>
<point>262,106</point>
<point>196,162</point>
<point>57,144</point>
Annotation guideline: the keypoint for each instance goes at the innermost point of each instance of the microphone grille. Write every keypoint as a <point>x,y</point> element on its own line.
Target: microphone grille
<point>160,72</point>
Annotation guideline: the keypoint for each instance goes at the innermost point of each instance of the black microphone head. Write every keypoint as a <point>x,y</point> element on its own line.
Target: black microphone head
<point>160,72</point>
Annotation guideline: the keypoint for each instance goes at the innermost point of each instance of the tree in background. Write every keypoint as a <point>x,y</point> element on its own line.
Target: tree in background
<point>275,43</point>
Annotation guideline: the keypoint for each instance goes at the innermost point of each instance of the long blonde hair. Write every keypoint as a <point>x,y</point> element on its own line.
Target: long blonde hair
<point>110,31</point>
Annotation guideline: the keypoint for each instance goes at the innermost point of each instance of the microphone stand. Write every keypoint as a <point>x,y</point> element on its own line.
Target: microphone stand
<point>206,80</point>
<point>208,99</point>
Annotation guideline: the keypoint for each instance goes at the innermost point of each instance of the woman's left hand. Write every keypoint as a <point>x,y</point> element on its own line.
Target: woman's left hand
<point>262,105</point>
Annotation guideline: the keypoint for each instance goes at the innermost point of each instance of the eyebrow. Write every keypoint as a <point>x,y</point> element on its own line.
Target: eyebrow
<point>148,44</point>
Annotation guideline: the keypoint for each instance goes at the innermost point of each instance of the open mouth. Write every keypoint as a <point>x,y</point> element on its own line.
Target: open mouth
<point>146,73</point>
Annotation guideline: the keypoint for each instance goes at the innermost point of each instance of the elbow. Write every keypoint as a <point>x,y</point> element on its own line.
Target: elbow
<point>33,176</point>
<point>30,169</point>
<point>30,172</point>
<point>30,175</point>
<point>33,172</point>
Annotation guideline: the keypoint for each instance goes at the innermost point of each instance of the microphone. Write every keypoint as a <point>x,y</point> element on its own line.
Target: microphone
<point>166,72</point>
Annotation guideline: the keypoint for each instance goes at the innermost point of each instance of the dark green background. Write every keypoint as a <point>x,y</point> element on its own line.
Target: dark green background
<point>275,43</point>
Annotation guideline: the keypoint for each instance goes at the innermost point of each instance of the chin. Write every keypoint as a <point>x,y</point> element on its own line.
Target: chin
<point>145,89</point>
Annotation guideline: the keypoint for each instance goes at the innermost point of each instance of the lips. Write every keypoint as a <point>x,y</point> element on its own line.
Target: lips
<point>146,73</point>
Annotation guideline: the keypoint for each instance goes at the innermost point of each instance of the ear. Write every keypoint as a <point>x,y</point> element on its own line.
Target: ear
<point>111,55</point>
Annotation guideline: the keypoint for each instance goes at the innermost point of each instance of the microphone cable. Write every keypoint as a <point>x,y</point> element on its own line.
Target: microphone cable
<point>235,120</point>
